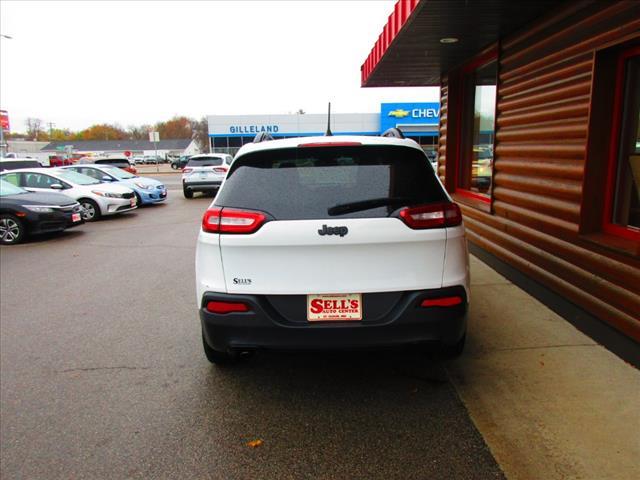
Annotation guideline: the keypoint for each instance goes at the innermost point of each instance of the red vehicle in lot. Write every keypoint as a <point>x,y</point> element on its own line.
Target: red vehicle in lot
<point>57,161</point>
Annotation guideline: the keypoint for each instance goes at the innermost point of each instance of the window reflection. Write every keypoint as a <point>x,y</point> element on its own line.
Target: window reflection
<point>477,161</point>
<point>627,189</point>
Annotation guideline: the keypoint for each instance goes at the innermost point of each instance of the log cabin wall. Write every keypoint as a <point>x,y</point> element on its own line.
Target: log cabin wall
<point>550,153</point>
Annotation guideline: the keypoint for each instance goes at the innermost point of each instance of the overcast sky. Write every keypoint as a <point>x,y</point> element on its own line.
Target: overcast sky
<point>80,63</point>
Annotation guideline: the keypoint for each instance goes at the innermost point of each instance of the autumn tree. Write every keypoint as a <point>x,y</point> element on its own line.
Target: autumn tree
<point>103,132</point>
<point>177,127</point>
<point>61,134</point>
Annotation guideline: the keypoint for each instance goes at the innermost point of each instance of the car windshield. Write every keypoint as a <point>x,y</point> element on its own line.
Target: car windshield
<point>118,173</point>
<point>75,177</point>
<point>205,162</point>
<point>331,182</point>
<point>7,188</point>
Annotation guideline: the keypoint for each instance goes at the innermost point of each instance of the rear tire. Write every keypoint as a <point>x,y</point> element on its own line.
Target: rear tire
<point>217,357</point>
<point>187,193</point>
<point>12,230</point>
<point>92,210</point>
<point>138,199</point>
<point>455,350</point>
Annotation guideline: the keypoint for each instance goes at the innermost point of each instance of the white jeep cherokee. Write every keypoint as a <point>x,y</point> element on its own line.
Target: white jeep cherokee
<point>331,242</point>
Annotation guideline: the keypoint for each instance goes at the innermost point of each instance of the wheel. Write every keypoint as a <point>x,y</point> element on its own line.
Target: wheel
<point>455,350</point>
<point>138,199</point>
<point>187,193</point>
<point>219,358</point>
<point>91,210</point>
<point>174,166</point>
<point>12,230</point>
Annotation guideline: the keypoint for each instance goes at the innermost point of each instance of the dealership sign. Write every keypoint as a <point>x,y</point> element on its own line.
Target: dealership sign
<point>4,120</point>
<point>408,115</point>
<point>253,129</point>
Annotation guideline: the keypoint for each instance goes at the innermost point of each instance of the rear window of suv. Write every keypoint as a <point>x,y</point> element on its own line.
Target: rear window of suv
<point>15,164</point>
<point>115,163</point>
<point>325,182</point>
<point>204,162</point>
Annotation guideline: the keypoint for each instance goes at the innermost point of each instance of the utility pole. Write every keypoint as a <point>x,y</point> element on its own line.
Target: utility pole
<point>155,138</point>
<point>51,125</point>
<point>2,147</point>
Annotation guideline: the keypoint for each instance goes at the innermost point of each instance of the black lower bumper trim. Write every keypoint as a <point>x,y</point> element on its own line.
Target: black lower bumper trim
<point>404,323</point>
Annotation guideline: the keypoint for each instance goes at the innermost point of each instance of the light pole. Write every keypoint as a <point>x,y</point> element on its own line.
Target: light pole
<point>2,147</point>
<point>2,144</point>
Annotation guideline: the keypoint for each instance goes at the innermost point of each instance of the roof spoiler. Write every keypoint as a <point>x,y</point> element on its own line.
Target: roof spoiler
<point>393,133</point>
<point>262,137</point>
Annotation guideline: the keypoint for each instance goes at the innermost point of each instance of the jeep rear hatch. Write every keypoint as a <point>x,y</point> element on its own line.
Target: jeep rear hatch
<point>332,219</point>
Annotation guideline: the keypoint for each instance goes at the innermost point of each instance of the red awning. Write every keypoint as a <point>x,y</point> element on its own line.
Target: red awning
<point>410,50</point>
<point>401,13</point>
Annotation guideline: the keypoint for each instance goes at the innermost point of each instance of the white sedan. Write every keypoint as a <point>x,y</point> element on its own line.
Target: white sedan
<point>96,198</point>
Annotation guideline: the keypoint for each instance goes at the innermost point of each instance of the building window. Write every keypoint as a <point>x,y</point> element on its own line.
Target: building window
<point>622,200</point>
<point>475,163</point>
<point>220,142</point>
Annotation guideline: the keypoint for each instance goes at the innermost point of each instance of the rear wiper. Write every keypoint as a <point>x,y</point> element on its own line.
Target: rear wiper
<point>366,205</point>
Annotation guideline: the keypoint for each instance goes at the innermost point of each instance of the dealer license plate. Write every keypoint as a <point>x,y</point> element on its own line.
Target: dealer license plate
<point>339,307</point>
<point>75,217</point>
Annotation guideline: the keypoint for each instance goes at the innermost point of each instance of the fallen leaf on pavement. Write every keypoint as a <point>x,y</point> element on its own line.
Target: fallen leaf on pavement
<point>254,443</point>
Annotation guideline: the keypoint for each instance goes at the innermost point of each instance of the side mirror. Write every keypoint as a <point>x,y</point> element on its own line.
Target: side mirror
<point>56,186</point>
<point>106,178</point>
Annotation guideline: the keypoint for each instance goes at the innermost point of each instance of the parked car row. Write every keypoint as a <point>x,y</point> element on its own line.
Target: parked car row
<point>87,192</point>
<point>148,159</point>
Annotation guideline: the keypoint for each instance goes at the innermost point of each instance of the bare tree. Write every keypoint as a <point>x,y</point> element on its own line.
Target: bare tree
<point>200,129</point>
<point>34,127</point>
<point>138,132</point>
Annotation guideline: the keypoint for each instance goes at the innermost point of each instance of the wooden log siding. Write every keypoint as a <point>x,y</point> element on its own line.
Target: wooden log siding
<point>543,105</point>
<point>442,139</point>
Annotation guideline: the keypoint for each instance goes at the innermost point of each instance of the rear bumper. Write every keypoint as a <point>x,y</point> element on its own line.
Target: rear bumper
<point>202,186</point>
<point>405,323</point>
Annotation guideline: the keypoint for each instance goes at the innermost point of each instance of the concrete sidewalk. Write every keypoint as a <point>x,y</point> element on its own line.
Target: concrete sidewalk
<point>549,402</point>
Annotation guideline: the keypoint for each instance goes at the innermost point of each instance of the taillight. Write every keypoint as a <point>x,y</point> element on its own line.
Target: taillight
<point>229,220</point>
<point>432,216</point>
<point>187,170</point>
<point>227,307</point>
<point>220,170</point>
<point>441,302</point>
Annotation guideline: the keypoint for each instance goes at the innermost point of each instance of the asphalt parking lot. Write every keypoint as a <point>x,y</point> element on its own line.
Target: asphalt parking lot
<point>102,375</point>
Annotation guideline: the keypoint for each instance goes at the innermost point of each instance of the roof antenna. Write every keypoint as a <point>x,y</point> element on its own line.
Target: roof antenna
<point>328,132</point>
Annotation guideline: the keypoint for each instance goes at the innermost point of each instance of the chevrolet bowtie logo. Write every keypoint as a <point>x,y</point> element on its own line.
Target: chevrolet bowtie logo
<point>399,113</point>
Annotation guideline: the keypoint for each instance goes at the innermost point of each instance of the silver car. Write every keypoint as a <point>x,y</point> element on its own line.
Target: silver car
<point>204,173</point>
